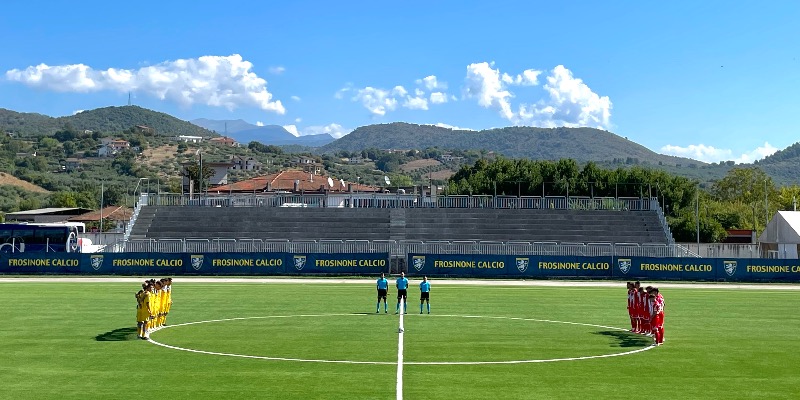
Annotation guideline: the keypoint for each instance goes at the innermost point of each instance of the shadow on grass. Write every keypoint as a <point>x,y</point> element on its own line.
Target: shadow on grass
<point>117,335</point>
<point>627,339</point>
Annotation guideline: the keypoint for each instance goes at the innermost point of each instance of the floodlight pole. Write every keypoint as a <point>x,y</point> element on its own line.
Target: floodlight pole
<point>100,231</point>
<point>697,215</point>
<point>766,206</point>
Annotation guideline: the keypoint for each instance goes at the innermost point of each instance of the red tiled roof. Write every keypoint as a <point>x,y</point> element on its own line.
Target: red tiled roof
<point>284,181</point>
<point>114,213</point>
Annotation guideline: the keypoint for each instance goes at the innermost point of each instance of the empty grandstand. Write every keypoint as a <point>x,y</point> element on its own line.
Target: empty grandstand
<point>395,218</point>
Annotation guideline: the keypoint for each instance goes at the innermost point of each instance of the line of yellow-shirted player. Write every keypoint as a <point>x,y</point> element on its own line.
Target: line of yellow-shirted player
<point>153,303</point>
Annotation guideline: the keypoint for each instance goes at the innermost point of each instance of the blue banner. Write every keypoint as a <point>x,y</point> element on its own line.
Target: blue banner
<point>666,268</point>
<point>158,264</point>
<point>483,265</point>
<point>456,265</point>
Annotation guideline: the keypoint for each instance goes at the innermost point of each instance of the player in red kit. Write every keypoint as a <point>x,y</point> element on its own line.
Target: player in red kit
<point>641,303</point>
<point>658,317</point>
<point>647,311</point>
<point>631,293</point>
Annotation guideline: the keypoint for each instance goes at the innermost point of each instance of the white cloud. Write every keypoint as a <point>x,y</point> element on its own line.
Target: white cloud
<point>431,83</point>
<point>77,112</point>
<point>438,98</point>
<point>217,81</point>
<point>712,154</point>
<point>259,123</point>
<point>416,103</point>
<point>298,120</point>
<point>292,129</point>
<point>381,101</point>
<point>340,93</point>
<point>377,101</point>
<point>455,128</point>
<point>483,82</point>
<point>569,101</point>
<point>334,130</point>
<point>295,98</point>
<point>277,70</point>
<point>529,77</point>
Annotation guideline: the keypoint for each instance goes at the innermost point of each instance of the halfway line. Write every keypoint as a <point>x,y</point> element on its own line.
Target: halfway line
<point>400,356</point>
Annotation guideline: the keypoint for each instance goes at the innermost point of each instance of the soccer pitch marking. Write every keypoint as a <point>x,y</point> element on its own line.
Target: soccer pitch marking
<point>400,362</point>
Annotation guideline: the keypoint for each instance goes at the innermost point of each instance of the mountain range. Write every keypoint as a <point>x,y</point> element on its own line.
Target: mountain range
<point>106,119</point>
<point>581,144</point>
<point>245,132</point>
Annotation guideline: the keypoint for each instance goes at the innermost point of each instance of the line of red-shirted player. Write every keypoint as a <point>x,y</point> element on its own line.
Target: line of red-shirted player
<point>646,309</point>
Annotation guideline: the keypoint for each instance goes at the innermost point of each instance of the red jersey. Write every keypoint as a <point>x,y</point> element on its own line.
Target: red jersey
<point>641,303</point>
<point>631,302</point>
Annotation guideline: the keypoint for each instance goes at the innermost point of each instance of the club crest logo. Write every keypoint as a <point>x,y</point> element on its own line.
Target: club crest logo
<point>624,265</point>
<point>418,262</point>
<point>96,261</point>
<point>522,263</point>
<point>299,262</point>
<point>197,261</point>
<point>730,267</point>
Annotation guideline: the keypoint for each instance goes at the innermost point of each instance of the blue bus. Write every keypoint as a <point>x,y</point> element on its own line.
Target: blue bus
<point>38,238</point>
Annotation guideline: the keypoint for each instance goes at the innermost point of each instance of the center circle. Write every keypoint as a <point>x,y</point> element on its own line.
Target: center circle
<point>429,339</point>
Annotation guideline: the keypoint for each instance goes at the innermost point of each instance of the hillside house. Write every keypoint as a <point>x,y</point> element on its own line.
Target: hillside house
<point>294,181</point>
<point>220,176</point>
<point>308,164</point>
<point>188,139</point>
<point>71,164</point>
<point>245,164</point>
<point>224,141</point>
<point>112,147</point>
<point>354,160</point>
<point>145,129</point>
<point>447,157</point>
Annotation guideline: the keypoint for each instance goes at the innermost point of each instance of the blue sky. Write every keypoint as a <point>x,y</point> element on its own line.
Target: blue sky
<point>711,80</point>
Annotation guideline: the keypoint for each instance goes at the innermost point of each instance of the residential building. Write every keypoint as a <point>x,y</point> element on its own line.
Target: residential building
<point>224,141</point>
<point>294,181</point>
<point>245,164</point>
<point>112,147</point>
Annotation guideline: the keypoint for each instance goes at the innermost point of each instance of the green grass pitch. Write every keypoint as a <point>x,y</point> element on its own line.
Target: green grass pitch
<point>77,340</point>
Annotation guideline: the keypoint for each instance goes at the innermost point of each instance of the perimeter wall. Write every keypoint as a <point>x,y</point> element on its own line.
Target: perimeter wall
<point>415,264</point>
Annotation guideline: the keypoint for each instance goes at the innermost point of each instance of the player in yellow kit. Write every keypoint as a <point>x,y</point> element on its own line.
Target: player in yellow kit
<point>142,312</point>
<point>153,306</point>
<point>168,299</point>
<point>147,305</point>
<point>162,303</point>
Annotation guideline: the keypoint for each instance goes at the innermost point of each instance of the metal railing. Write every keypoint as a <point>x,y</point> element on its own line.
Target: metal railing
<point>654,205</point>
<point>402,247</point>
<point>128,229</point>
<point>394,200</point>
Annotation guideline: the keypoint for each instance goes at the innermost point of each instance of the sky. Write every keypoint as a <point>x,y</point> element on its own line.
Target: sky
<point>709,80</point>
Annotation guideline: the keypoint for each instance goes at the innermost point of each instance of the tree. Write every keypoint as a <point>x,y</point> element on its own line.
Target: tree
<point>69,148</point>
<point>63,199</point>
<point>192,171</point>
<point>752,188</point>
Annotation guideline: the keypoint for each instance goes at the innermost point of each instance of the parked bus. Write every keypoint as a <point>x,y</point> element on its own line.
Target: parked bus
<point>38,238</point>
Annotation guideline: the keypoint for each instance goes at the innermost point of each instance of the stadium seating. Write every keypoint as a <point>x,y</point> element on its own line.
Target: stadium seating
<point>565,226</point>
